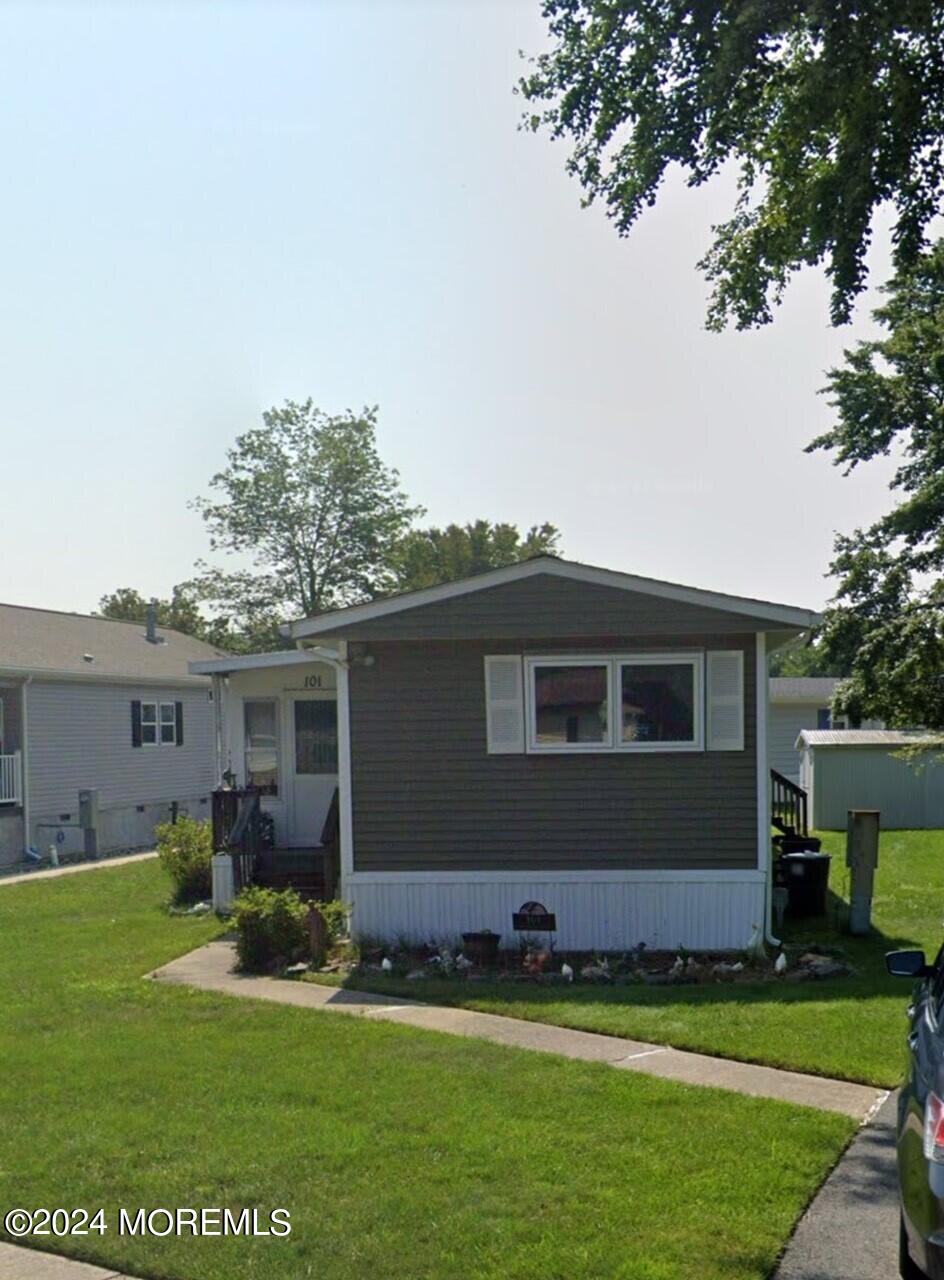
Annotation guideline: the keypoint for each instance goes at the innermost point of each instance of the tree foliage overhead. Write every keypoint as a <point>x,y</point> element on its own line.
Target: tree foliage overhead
<point>804,660</point>
<point>426,557</point>
<point>887,621</point>
<point>829,109</point>
<point>308,500</point>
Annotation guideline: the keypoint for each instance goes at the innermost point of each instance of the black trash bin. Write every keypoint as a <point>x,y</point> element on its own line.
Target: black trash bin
<point>806,873</point>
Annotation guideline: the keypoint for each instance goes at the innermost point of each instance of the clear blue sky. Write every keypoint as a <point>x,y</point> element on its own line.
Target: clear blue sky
<point>211,207</point>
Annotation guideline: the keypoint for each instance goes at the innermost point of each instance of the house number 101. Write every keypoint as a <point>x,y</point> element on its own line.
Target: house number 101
<point>312,682</point>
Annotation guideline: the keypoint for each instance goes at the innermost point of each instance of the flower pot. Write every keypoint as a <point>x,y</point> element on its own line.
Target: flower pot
<point>481,948</point>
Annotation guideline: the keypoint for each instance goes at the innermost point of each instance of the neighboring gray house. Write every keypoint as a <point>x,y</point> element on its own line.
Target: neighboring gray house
<point>88,703</point>
<point>797,703</point>
<point>551,732</point>
<point>861,769</point>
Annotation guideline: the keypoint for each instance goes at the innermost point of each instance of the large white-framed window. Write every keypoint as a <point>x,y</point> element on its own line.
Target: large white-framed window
<point>625,702</point>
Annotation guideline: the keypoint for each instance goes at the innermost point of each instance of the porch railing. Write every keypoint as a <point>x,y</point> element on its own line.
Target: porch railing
<point>11,778</point>
<point>236,831</point>
<point>788,806</point>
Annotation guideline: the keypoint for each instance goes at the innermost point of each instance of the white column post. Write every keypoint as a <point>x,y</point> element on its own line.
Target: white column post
<point>345,806</point>
<point>223,885</point>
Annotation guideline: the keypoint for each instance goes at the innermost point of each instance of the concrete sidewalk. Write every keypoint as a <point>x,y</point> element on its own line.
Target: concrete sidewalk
<point>53,873</point>
<point>210,968</point>
<point>29,1264</point>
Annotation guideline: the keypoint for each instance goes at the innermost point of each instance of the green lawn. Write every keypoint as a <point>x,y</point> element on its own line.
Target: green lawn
<point>852,1028</point>
<point>399,1153</point>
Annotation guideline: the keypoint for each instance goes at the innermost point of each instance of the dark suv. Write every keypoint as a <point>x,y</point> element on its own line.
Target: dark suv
<point>921,1119</point>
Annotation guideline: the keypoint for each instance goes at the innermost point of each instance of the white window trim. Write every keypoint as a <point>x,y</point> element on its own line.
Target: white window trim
<point>158,704</point>
<point>155,722</point>
<point>276,700</point>
<point>565,748</point>
<point>161,723</point>
<point>697,663</point>
<point>614,662</point>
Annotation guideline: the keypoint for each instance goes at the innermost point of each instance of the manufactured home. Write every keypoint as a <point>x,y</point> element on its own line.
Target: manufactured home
<point>93,705</point>
<point>549,732</point>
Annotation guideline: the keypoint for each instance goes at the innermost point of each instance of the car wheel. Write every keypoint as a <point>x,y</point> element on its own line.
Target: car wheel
<point>908,1269</point>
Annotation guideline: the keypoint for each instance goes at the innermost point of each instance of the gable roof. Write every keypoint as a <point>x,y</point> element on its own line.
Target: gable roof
<point>777,615</point>
<point>802,688</point>
<point>47,642</point>
<point>890,738</point>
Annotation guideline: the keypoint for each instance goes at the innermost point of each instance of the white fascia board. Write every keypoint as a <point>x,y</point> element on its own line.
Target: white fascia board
<point>193,681</point>
<point>262,661</point>
<point>779,615</point>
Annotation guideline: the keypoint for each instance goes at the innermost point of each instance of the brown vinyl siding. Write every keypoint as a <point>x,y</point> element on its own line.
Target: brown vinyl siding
<point>547,606</point>
<point>428,796</point>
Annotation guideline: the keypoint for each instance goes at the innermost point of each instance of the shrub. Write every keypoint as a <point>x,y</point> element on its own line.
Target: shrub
<point>185,848</point>
<point>271,928</point>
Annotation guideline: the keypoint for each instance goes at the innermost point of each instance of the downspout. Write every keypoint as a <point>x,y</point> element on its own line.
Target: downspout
<point>764,846</point>
<point>24,782</point>
<point>218,724</point>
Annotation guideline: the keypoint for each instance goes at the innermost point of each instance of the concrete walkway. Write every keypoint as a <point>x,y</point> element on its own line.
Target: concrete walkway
<point>29,1264</point>
<point>850,1231</point>
<point>71,869</point>
<point>211,969</point>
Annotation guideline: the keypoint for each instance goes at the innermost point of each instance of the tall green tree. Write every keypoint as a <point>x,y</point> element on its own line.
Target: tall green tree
<point>828,110</point>
<point>426,557</point>
<point>307,500</point>
<point>886,624</point>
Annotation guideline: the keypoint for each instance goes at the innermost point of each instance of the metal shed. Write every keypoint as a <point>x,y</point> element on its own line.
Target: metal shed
<point>843,769</point>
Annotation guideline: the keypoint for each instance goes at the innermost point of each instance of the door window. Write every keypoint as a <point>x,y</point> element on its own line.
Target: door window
<point>262,745</point>
<point>316,736</point>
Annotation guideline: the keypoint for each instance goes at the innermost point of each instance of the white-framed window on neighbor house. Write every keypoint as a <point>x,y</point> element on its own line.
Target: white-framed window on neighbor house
<point>261,736</point>
<point>157,724</point>
<point>149,724</point>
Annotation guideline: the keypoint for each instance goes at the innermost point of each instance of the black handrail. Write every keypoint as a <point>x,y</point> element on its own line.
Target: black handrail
<point>244,840</point>
<point>789,809</point>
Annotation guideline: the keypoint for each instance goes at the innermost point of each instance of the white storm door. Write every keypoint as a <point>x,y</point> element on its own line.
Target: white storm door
<point>313,727</point>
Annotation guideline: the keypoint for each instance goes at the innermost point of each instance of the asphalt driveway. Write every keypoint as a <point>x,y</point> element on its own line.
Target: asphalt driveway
<point>850,1231</point>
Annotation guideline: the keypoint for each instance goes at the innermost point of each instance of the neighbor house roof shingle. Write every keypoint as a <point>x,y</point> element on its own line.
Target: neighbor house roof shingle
<point>43,641</point>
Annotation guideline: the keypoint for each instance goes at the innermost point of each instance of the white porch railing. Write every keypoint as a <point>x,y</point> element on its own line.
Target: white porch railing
<point>11,779</point>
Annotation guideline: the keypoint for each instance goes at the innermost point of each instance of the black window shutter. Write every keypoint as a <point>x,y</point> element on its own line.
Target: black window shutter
<point>179,722</point>
<point>135,723</point>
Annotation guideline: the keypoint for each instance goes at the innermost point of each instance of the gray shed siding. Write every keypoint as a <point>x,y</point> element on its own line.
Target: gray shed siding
<point>845,778</point>
<point>547,606</point>
<point>80,736</point>
<point>427,796</point>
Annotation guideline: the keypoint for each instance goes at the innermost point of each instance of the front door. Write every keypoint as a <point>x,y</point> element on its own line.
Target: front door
<point>314,732</point>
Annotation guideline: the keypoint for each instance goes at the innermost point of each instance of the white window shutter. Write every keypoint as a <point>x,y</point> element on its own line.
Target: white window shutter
<point>504,705</point>
<point>725,700</point>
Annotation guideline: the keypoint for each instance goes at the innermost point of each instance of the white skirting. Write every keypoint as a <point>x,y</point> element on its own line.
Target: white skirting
<point>595,910</point>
